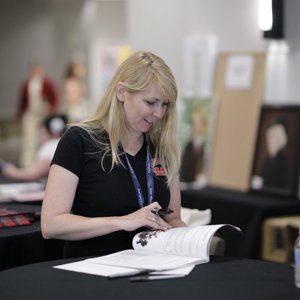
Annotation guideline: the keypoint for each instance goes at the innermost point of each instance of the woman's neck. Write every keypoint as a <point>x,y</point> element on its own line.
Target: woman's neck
<point>132,144</point>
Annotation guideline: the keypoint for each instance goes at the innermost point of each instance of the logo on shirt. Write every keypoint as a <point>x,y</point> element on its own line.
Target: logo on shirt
<point>158,170</point>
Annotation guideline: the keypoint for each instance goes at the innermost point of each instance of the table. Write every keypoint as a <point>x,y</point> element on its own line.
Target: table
<point>245,210</point>
<point>24,244</point>
<point>222,278</point>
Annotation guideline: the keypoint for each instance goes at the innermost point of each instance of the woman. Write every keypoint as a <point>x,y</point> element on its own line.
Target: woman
<point>110,172</point>
<point>38,98</point>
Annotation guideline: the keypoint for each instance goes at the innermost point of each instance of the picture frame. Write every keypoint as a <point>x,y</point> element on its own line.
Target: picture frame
<point>277,153</point>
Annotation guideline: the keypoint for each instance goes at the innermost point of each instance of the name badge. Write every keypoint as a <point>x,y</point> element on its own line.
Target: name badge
<point>158,170</point>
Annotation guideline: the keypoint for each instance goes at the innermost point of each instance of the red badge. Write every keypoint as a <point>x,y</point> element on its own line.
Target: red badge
<point>158,170</point>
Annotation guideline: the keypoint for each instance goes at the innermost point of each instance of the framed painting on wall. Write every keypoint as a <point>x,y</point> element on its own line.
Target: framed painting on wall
<point>277,154</point>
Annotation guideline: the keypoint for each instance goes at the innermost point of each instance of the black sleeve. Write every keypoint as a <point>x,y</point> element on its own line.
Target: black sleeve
<point>69,153</point>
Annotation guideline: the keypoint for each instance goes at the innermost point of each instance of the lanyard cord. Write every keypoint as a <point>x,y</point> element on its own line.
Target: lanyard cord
<point>150,181</point>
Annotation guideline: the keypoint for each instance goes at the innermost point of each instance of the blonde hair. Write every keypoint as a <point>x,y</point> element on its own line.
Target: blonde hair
<point>136,73</point>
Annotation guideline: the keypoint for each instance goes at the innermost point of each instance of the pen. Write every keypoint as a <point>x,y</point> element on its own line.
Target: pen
<point>155,277</point>
<point>162,212</point>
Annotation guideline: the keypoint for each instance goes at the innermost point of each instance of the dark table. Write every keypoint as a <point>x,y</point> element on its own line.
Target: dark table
<point>24,244</point>
<point>245,210</point>
<point>222,278</point>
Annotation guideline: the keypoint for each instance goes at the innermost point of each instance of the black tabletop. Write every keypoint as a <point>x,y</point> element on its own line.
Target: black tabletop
<point>245,210</point>
<point>24,244</point>
<point>222,278</point>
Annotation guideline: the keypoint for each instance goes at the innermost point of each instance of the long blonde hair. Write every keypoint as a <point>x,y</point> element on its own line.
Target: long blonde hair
<point>136,73</point>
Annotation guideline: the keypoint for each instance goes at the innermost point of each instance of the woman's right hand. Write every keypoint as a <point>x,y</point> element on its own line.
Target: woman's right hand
<point>144,217</point>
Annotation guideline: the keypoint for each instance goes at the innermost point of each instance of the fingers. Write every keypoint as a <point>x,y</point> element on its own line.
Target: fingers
<point>156,222</point>
<point>150,219</point>
<point>153,206</point>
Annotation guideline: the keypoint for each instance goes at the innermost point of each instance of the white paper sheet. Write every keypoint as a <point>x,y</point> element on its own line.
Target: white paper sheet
<point>239,72</point>
<point>88,267</point>
<point>97,269</point>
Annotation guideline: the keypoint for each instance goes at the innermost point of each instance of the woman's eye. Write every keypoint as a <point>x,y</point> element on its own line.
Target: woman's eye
<point>150,102</point>
<point>153,103</point>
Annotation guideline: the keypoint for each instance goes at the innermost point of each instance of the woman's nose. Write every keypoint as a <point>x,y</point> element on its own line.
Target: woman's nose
<point>159,111</point>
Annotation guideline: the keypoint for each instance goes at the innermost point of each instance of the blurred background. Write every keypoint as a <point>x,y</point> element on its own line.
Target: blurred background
<point>100,33</point>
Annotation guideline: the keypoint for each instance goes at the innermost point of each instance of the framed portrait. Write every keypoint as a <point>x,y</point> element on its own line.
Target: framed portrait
<point>277,154</point>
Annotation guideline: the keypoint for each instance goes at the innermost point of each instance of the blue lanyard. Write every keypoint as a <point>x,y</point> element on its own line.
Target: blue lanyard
<point>150,182</point>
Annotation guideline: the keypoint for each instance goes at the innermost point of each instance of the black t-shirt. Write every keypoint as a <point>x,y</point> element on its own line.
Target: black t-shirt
<point>106,192</point>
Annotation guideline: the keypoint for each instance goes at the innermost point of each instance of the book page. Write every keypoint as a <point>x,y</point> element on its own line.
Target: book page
<point>186,241</point>
<point>144,260</point>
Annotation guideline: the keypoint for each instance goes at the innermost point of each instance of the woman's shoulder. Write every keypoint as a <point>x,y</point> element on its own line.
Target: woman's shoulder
<point>87,135</point>
<point>76,132</point>
<point>75,135</point>
<point>76,129</point>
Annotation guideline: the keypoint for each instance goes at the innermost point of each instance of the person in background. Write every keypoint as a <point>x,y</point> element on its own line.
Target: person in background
<point>38,98</point>
<point>111,172</point>
<point>52,129</point>
<point>75,104</point>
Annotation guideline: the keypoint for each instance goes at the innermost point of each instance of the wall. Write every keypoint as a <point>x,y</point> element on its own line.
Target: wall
<point>171,21</point>
<point>19,28</point>
<point>55,30</point>
<point>161,26</point>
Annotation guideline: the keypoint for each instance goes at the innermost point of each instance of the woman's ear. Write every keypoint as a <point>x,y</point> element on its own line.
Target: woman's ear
<point>120,91</point>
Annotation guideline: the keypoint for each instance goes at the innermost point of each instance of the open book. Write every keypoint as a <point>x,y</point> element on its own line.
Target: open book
<point>161,250</point>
